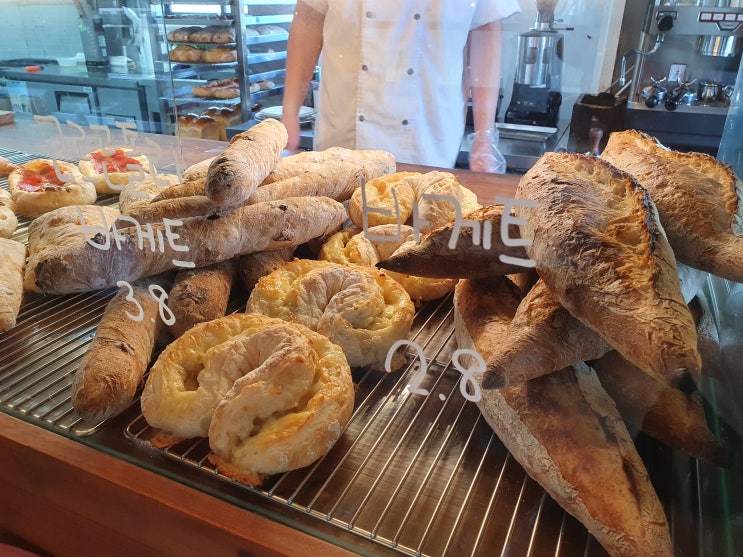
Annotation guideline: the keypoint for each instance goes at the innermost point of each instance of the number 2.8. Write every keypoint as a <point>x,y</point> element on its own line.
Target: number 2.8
<point>468,377</point>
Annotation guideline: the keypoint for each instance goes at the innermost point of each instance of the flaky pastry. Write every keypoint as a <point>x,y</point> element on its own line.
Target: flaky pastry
<point>359,308</point>
<point>352,246</point>
<point>379,196</point>
<point>271,395</point>
<point>436,211</point>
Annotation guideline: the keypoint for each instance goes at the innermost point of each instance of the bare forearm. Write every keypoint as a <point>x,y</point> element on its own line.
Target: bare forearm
<point>485,69</point>
<point>303,50</point>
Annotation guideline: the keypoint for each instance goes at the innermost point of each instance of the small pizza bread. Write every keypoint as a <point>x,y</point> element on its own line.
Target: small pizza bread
<point>8,220</point>
<point>271,395</point>
<point>11,281</point>
<point>359,308</point>
<point>186,53</point>
<point>220,54</point>
<point>354,246</point>
<point>110,170</point>
<point>389,200</point>
<point>37,188</point>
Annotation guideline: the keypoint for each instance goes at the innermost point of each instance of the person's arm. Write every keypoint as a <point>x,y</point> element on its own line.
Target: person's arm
<point>484,79</point>
<point>303,51</point>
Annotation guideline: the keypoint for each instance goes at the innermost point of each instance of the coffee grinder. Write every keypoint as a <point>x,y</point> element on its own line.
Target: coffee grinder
<point>537,96</point>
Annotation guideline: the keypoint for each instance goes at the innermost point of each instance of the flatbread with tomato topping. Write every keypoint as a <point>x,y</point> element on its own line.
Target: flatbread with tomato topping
<point>37,187</point>
<point>111,170</point>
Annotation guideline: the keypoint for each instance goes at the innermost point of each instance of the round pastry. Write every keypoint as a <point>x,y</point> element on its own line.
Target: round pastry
<point>220,54</point>
<point>272,396</point>
<point>359,308</point>
<point>37,189</point>
<point>8,220</point>
<point>111,169</point>
<point>377,244</point>
<point>186,53</point>
<point>379,196</point>
<point>439,212</point>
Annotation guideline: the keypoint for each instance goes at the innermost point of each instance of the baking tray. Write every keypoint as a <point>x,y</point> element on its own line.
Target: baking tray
<point>417,475</point>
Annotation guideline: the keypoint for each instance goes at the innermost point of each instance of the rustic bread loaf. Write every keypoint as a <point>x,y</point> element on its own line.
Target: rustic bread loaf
<point>13,255</point>
<point>601,250</point>
<point>566,432</point>
<point>699,200</point>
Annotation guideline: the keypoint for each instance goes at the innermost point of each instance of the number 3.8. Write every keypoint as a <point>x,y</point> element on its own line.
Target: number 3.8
<point>468,377</point>
<point>157,292</point>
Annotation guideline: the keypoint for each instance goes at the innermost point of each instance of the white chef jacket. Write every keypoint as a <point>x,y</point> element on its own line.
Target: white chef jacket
<point>392,74</point>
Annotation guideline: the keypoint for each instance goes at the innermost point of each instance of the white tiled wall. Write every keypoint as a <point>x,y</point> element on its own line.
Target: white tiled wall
<point>39,29</point>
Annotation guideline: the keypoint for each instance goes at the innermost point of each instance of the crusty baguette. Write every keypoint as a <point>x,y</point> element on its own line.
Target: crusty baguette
<point>64,229</point>
<point>200,295</point>
<point>434,255</point>
<point>698,199</point>
<point>144,191</point>
<point>599,247</point>
<point>666,414</point>
<point>567,434</point>
<point>207,240</point>
<point>254,266</point>
<point>187,188</point>
<point>156,211</point>
<point>13,255</point>
<point>235,174</point>
<point>198,171</point>
<point>542,337</point>
<point>107,378</point>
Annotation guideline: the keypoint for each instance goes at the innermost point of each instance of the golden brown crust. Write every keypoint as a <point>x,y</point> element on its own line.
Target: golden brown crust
<point>13,255</point>
<point>8,220</point>
<point>600,249</point>
<point>6,167</point>
<point>157,211</point>
<point>200,295</point>
<point>698,200</point>
<point>254,266</point>
<point>236,173</point>
<point>113,181</point>
<point>220,54</point>
<point>566,433</point>
<point>260,227</point>
<point>48,196</point>
<point>380,197</point>
<point>109,373</point>
<point>433,256</point>
<point>186,53</point>
<point>187,188</point>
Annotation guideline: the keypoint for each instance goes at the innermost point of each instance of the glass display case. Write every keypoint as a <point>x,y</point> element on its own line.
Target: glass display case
<point>417,470</point>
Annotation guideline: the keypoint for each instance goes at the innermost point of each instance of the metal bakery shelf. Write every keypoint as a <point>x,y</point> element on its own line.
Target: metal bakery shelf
<point>417,475</point>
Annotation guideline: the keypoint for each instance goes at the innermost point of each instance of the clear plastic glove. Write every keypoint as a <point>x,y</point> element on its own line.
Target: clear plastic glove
<point>484,154</point>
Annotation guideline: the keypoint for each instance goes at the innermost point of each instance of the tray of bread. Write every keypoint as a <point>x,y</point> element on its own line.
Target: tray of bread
<point>325,331</point>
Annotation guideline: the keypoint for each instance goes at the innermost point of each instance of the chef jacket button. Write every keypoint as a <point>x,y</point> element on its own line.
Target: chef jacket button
<point>417,16</point>
<point>410,71</point>
<point>364,67</point>
<point>370,14</point>
<point>404,122</point>
<point>361,118</point>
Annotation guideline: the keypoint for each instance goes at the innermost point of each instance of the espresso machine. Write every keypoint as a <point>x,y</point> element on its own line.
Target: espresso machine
<point>537,96</point>
<point>685,67</point>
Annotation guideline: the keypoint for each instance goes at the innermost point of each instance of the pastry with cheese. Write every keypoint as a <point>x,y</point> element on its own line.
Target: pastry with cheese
<point>38,187</point>
<point>110,170</point>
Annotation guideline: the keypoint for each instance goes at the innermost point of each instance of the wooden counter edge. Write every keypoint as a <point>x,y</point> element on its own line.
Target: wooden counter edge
<point>68,499</point>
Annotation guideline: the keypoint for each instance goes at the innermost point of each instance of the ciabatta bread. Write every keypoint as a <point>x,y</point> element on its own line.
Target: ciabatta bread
<point>207,240</point>
<point>699,200</point>
<point>601,250</point>
<point>566,432</point>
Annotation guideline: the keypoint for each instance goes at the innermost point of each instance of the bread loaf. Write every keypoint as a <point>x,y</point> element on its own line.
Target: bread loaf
<point>200,295</point>
<point>600,249</point>
<point>107,378</point>
<point>699,200</point>
<point>104,260</point>
<point>254,266</point>
<point>187,188</point>
<point>452,252</point>
<point>235,174</point>
<point>201,127</point>
<point>158,211</point>
<point>186,53</point>
<point>566,432</point>
<point>8,220</point>
<point>13,255</point>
